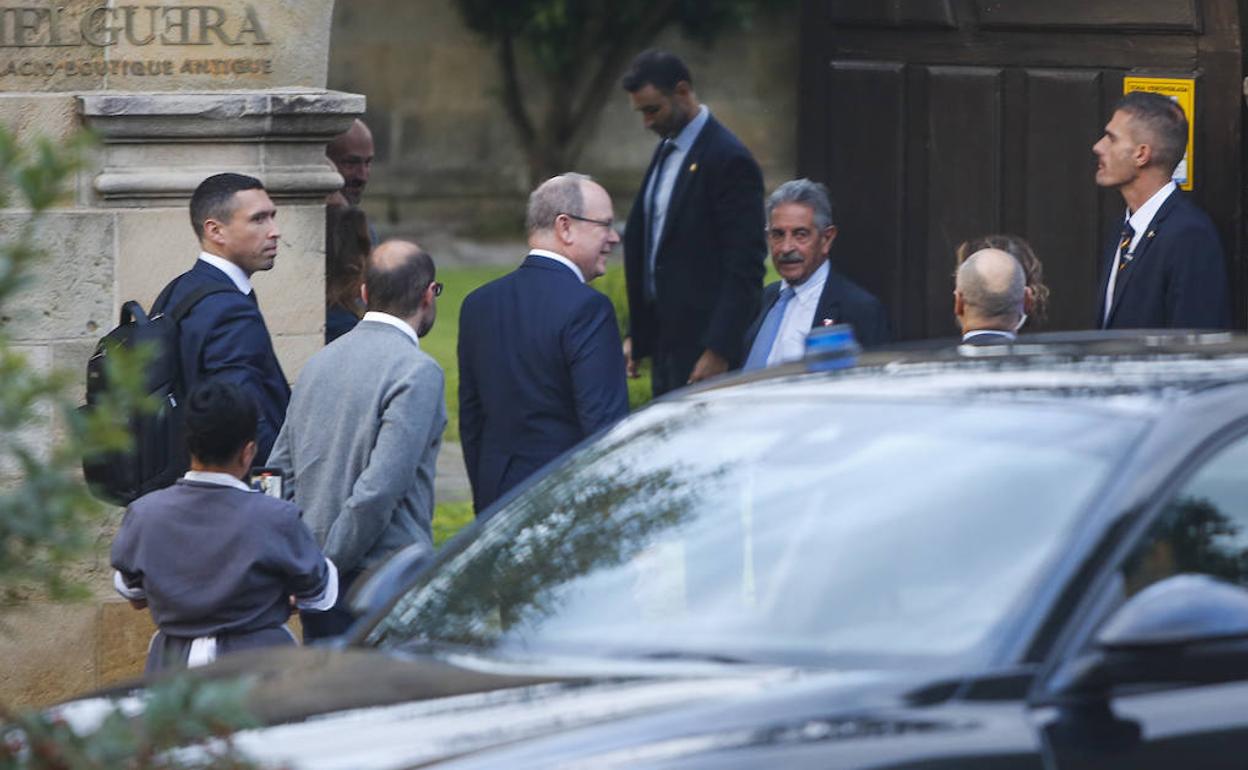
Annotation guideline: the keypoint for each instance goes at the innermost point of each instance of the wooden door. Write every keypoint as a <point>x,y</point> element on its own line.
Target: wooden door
<point>934,121</point>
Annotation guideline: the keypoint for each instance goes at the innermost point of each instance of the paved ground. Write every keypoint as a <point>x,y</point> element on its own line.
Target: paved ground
<point>451,483</point>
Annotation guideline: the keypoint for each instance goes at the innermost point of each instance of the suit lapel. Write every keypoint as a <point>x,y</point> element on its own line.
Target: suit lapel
<point>684,177</point>
<point>829,307</point>
<point>1140,253</point>
<point>771,292</point>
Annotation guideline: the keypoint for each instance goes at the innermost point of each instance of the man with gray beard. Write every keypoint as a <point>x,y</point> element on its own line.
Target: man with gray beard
<point>800,233</point>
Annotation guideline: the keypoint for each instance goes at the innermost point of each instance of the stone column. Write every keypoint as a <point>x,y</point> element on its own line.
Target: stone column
<point>157,147</point>
<point>175,90</point>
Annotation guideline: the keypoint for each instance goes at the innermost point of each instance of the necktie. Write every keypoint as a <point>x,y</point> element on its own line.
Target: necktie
<point>768,331</point>
<point>1124,243</point>
<point>252,296</point>
<point>652,215</point>
<point>1122,259</point>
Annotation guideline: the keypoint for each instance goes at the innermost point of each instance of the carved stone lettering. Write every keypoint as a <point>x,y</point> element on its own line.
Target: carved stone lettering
<point>103,26</point>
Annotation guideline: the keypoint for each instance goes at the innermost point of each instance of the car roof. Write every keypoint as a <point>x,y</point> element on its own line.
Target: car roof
<point>1135,372</point>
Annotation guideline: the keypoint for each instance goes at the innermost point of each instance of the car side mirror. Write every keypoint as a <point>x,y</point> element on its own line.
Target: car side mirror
<point>1184,629</point>
<point>378,587</point>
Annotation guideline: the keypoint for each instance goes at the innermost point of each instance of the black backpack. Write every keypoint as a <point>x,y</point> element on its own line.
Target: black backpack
<point>158,456</point>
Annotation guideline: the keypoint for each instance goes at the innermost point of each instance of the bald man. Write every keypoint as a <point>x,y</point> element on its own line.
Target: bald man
<point>988,297</point>
<point>351,153</point>
<point>359,452</point>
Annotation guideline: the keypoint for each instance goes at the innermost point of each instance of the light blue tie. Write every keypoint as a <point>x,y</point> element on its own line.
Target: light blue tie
<point>768,331</point>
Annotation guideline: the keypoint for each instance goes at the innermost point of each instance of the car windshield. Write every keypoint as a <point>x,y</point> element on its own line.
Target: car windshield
<point>807,531</point>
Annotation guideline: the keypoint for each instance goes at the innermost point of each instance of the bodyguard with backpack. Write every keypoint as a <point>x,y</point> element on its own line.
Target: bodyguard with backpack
<point>205,325</point>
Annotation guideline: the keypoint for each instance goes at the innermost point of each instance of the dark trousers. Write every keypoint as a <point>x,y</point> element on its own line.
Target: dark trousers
<point>670,369</point>
<point>334,621</point>
<point>170,652</point>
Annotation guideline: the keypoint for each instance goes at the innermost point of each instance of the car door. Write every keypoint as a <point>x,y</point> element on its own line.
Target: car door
<point>1202,528</point>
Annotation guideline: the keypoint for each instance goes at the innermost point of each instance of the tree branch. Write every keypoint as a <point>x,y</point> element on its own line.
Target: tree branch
<point>513,99</point>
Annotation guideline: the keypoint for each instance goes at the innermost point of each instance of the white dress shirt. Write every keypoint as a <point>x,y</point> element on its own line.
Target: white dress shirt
<point>560,259</point>
<point>790,342</point>
<point>1139,222</point>
<point>396,322</point>
<point>1011,336</point>
<point>235,272</point>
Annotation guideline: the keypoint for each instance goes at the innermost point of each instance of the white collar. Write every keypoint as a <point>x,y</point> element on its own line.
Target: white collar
<point>218,479</point>
<point>395,321</point>
<point>232,270</point>
<point>559,258</point>
<point>1144,215</point>
<point>813,284</point>
<point>685,138</point>
<point>991,333</point>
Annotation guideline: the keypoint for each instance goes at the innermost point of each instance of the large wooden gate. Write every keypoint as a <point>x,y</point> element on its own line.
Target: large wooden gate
<point>938,120</point>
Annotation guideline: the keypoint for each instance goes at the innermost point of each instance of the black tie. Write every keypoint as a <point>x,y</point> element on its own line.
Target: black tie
<point>665,149</point>
<point>1124,243</point>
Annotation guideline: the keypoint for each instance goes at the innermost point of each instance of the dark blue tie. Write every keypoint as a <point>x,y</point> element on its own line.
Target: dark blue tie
<point>665,149</point>
<point>768,331</point>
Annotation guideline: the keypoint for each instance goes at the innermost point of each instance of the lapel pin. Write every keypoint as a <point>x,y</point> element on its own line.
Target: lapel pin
<point>1151,233</point>
<point>693,167</point>
<point>828,322</point>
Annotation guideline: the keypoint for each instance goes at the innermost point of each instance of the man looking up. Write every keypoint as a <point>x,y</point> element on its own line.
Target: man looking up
<point>540,366</point>
<point>224,337</point>
<point>988,297</point>
<point>1164,267</point>
<point>361,440</point>
<point>693,248</point>
<point>811,294</point>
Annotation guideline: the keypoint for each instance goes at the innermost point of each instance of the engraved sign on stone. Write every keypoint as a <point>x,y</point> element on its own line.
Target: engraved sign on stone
<point>85,45</point>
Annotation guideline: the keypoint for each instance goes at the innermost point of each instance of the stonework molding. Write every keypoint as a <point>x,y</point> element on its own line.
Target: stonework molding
<point>160,146</point>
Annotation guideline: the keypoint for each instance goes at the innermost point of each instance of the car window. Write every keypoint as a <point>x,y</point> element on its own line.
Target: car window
<point>801,531</point>
<point>1202,529</point>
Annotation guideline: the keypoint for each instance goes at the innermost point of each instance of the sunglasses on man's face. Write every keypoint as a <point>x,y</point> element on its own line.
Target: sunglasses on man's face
<point>437,289</point>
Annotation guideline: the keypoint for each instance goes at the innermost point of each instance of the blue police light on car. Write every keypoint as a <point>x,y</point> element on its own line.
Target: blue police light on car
<point>831,347</point>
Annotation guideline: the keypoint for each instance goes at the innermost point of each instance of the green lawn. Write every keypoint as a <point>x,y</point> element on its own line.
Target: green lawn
<point>442,339</point>
<point>449,518</point>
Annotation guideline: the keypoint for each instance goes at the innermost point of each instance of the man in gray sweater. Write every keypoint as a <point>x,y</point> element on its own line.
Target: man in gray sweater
<point>360,442</point>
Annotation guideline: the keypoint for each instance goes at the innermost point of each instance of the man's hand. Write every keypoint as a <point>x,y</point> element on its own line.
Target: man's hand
<point>709,364</point>
<point>630,366</point>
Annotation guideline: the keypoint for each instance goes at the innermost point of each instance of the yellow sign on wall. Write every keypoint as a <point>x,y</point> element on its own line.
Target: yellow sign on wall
<point>1182,91</point>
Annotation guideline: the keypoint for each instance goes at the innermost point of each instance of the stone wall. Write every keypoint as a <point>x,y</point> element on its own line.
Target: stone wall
<point>448,162</point>
<point>175,90</point>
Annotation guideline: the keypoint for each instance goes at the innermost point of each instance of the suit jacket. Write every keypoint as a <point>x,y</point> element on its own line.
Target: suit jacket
<point>224,338</point>
<point>842,302</point>
<point>1177,278</point>
<point>709,263</point>
<point>540,369</point>
<point>360,444</point>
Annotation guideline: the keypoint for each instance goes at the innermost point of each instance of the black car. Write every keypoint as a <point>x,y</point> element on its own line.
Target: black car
<point>1022,556</point>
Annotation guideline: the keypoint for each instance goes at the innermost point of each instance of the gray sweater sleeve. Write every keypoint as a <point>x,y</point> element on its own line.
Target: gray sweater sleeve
<point>409,415</point>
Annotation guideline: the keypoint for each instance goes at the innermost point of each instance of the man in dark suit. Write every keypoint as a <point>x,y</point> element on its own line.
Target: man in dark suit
<point>224,337</point>
<point>989,294</point>
<point>811,294</point>
<point>540,363</point>
<point>693,248</point>
<point>1164,268</point>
